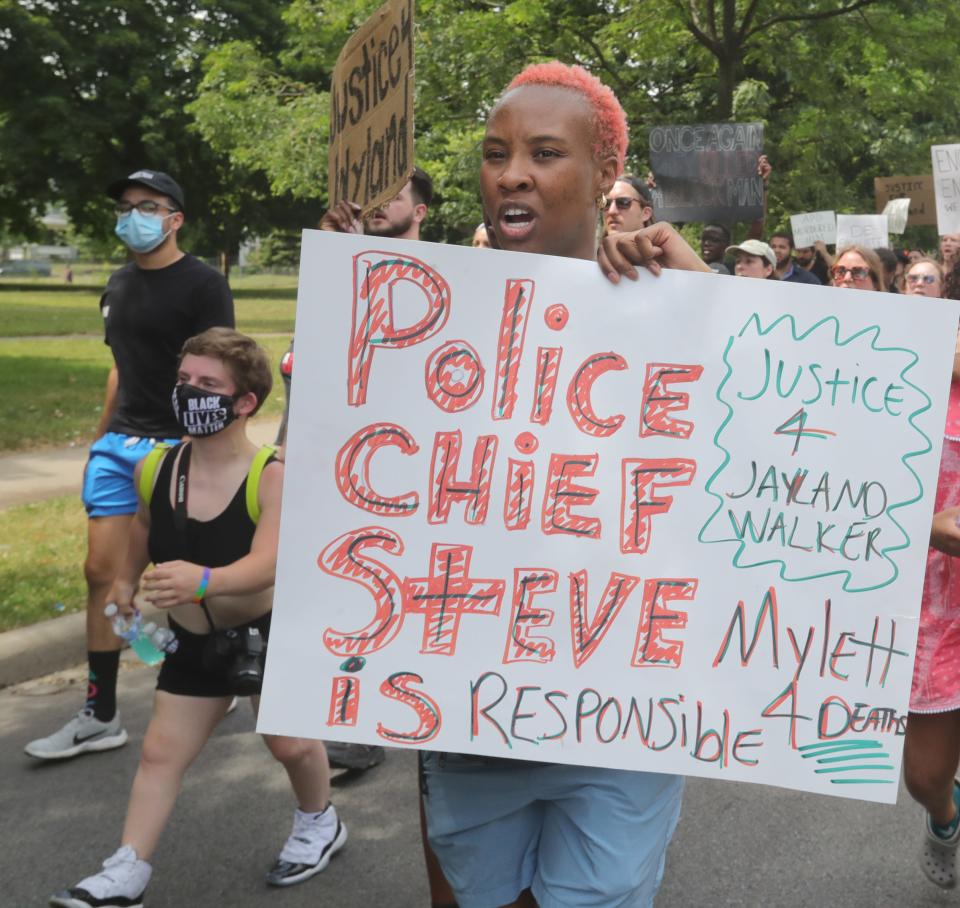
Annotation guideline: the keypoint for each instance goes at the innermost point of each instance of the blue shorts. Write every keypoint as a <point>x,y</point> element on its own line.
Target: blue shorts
<point>578,836</point>
<point>108,488</point>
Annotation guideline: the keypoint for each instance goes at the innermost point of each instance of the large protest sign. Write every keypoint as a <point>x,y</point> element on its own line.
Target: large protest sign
<point>707,172</point>
<point>919,189</point>
<point>946,187</point>
<point>868,230</point>
<point>530,514</point>
<point>811,226</point>
<point>371,110</point>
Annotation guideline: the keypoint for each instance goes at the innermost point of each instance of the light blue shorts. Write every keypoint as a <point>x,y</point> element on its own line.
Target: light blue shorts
<point>108,488</point>
<point>578,836</point>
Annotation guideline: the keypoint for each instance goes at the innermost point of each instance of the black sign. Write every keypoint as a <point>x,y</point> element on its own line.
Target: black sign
<point>707,172</point>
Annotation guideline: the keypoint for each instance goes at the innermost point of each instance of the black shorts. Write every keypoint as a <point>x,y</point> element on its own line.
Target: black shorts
<point>183,672</point>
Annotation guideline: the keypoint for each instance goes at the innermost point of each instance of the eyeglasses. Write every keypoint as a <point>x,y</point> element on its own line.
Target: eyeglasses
<point>858,273</point>
<point>921,278</point>
<point>622,202</point>
<point>147,206</point>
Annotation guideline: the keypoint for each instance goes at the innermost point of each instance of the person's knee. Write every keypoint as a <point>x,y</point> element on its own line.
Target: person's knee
<point>290,751</point>
<point>101,566</point>
<point>160,753</point>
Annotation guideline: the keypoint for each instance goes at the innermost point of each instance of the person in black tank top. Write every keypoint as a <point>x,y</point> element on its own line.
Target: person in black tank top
<point>214,550</point>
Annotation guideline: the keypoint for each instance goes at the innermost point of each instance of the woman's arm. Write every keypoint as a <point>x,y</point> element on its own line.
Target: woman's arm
<point>177,582</point>
<point>655,247</point>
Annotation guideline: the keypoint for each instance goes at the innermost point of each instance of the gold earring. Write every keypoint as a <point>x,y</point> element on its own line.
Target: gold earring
<point>602,201</point>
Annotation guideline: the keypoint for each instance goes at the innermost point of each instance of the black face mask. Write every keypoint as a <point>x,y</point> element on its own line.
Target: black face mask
<point>201,412</point>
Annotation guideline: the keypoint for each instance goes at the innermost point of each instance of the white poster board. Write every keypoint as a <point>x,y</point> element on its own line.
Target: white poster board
<point>868,230</point>
<point>897,212</point>
<point>811,226</point>
<point>946,187</point>
<point>531,514</point>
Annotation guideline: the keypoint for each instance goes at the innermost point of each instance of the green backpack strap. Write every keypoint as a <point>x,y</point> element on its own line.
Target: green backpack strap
<point>260,460</point>
<point>148,473</point>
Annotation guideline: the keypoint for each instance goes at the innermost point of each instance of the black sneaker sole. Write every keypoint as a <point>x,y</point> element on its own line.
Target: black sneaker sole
<point>299,876</point>
<point>66,900</point>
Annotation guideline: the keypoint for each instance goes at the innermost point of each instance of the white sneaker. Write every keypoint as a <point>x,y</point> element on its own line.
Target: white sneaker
<point>315,838</point>
<point>82,733</point>
<point>121,884</point>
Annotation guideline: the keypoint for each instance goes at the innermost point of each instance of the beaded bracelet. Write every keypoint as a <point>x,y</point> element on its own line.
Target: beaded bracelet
<point>202,589</point>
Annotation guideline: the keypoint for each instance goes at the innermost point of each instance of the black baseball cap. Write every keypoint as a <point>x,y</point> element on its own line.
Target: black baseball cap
<point>152,179</point>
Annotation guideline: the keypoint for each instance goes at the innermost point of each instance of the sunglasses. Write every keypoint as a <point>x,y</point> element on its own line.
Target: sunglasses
<point>858,273</point>
<point>920,278</point>
<point>622,203</point>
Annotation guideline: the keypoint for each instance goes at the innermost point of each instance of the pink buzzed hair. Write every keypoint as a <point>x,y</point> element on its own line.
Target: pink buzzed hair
<point>609,120</point>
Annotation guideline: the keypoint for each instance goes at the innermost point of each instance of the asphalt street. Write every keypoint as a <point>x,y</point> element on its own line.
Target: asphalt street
<point>737,844</point>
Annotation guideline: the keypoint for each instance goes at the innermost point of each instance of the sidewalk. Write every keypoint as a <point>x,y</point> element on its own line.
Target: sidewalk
<point>35,475</point>
<point>50,646</point>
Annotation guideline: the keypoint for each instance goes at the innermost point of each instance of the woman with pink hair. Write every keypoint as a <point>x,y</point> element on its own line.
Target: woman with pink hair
<point>513,832</point>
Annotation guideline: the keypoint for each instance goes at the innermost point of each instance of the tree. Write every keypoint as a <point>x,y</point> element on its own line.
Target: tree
<point>95,90</point>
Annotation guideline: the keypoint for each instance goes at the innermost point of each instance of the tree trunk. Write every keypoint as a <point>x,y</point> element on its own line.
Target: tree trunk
<point>726,83</point>
<point>224,257</point>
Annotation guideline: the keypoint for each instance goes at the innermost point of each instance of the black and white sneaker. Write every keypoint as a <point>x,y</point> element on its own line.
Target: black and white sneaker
<point>121,884</point>
<point>315,838</point>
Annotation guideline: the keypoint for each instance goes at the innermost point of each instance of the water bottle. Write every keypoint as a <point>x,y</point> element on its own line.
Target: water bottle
<point>148,641</point>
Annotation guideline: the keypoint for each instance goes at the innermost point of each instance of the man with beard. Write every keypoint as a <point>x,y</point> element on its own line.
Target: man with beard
<point>400,218</point>
<point>815,260</point>
<point>787,269</point>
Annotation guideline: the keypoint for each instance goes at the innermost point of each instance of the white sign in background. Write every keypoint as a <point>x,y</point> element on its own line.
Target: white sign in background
<point>699,561</point>
<point>811,226</point>
<point>868,230</point>
<point>946,187</point>
<point>897,212</point>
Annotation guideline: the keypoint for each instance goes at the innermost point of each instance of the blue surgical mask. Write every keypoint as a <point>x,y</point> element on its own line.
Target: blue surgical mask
<point>141,232</point>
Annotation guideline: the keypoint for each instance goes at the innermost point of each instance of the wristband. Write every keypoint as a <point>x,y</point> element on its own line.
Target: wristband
<point>202,589</point>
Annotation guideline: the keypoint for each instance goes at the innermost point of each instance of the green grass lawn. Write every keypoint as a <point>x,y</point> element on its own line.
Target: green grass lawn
<point>42,547</point>
<point>54,389</point>
<point>264,304</point>
<point>53,367</point>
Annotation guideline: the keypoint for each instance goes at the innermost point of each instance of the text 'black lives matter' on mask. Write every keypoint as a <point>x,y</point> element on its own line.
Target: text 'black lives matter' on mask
<point>202,412</point>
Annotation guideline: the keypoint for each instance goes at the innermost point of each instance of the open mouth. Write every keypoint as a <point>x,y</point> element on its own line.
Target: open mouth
<point>516,221</point>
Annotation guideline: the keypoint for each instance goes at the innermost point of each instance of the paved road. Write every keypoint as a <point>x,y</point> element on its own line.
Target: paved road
<point>737,845</point>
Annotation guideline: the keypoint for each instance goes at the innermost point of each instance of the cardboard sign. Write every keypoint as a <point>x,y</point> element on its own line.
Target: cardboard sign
<point>868,230</point>
<point>530,514</point>
<point>946,186</point>
<point>371,110</point>
<point>923,207</point>
<point>811,226</point>
<point>897,212</point>
<point>707,172</point>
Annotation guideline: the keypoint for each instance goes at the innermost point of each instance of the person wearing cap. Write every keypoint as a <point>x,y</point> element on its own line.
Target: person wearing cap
<point>754,258</point>
<point>149,308</point>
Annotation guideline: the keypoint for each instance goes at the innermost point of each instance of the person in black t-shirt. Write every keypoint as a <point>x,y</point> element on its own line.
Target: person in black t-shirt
<point>149,308</point>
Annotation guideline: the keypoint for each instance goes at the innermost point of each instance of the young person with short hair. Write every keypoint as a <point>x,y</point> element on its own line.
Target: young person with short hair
<point>209,519</point>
